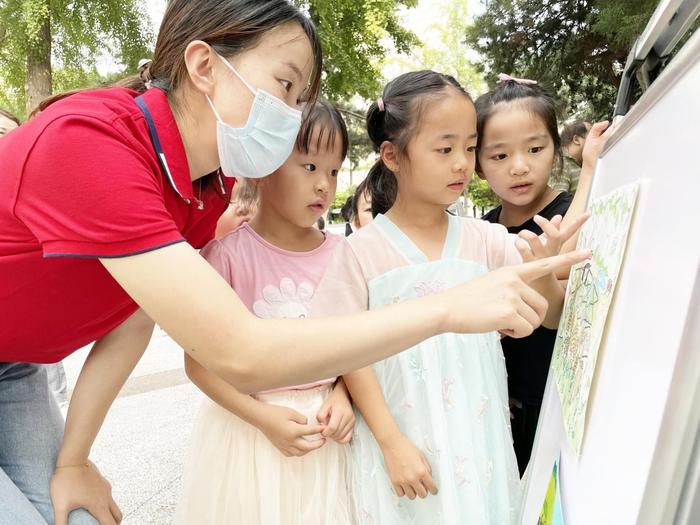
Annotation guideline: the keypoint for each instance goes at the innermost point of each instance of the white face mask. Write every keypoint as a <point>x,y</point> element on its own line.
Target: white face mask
<point>264,143</point>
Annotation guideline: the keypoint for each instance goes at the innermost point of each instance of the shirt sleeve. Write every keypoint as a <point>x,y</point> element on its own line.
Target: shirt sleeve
<point>217,255</point>
<point>90,189</point>
<point>500,247</point>
<point>343,288</point>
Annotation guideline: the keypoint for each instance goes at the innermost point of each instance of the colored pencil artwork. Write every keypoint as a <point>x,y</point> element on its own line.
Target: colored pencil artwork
<point>587,303</point>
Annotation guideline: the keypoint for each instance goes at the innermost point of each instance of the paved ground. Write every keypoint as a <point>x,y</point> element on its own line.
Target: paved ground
<point>142,445</point>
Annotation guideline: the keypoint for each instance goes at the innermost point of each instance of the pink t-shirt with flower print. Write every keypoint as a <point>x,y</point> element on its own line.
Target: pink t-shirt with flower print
<point>273,283</point>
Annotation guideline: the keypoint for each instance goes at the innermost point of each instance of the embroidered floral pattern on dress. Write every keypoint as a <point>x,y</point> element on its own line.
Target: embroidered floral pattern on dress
<point>424,288</point>
<point>446,397</point>
<point>289,301</point>
<point>460,476</point>
<point>483,406</point>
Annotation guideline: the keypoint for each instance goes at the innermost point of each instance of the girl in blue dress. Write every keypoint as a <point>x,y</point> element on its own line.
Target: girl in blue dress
<point>432,443</point>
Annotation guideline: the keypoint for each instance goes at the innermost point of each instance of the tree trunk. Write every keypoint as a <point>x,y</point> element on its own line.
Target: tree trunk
<point>38,85</point>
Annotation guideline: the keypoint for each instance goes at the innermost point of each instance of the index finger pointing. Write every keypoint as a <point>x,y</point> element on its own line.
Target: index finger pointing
<point>532,271</point>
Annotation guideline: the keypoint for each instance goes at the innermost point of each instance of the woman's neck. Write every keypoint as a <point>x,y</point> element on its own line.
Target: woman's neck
<point>198,133</point>
<point>513,215</point>
<point>282,233</point>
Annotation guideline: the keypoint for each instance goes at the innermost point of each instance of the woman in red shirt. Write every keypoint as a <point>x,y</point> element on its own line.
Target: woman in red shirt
<point>105,197</point>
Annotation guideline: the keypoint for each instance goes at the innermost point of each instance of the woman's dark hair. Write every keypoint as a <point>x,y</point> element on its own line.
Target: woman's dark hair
<point>531,96</point>
<point>8,115</point>
<point>395,118</point>
<point>229,26</point>
<point>327,119</point>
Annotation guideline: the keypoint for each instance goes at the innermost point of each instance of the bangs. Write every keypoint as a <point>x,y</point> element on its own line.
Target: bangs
<point>320,127</point>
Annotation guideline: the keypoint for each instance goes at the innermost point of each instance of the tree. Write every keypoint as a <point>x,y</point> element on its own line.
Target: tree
<point>356,36</point>
<point>576,48</point>
<point>450,54</point>
<point>481,195</point>
<point>40,35</point>
<point>360,144</point>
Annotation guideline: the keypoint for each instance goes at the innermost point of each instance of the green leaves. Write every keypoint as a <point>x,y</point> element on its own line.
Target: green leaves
<point>81,30</point>
<point>356,36</point>
<point>574,47</point>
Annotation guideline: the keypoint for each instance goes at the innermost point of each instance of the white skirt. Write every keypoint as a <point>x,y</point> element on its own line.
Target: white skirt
<point>235,476</point>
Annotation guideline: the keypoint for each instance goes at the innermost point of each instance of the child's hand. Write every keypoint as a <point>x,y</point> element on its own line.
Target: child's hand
<point>337,415</point>
<point>286,428</point>
<point>595,142</point>
<point>533,247</point>
<point>409,471</point>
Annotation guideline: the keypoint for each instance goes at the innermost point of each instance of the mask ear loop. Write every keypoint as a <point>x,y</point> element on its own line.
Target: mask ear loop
<point>230,66</point>
<point>216,113</point>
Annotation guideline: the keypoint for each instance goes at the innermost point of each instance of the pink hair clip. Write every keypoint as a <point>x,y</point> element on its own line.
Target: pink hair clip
<point>380,105</point>
<point>502,78</point>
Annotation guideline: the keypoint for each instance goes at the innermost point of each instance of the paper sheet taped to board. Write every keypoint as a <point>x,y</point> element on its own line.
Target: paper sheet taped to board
<point>588,298</point>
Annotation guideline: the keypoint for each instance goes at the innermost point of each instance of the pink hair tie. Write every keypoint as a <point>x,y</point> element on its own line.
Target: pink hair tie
<point>502,78</point>
<point>380,105</point>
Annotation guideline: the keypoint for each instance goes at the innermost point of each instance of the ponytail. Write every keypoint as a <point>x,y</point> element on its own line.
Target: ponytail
<point>382,186</point>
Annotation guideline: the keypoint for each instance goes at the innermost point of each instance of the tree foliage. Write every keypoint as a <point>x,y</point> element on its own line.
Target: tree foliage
<point>356,36</point>
<point>481,195</point>
<point>577,48</point>
<point>80,31</point>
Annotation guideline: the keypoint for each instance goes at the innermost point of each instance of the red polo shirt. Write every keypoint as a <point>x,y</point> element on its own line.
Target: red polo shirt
<point>80,181</point>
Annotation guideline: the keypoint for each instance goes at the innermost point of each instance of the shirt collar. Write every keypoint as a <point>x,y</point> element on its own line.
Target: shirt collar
<point>173,150</point>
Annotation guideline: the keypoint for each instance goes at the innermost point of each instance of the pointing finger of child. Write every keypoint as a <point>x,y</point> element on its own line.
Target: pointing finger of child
<point>567,232</point>
<point>531,271</point>
<point>524,250</point>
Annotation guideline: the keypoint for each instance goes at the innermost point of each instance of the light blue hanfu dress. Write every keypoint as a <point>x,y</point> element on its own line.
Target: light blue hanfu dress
<point>448,394</point>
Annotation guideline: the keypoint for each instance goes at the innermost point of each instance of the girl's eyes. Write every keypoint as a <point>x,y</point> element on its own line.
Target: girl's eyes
<point>286,84</point>
<point>536,149</point>
<point>445,151</point>
<point>312,167</point>
<point>472,149</point>
<point>498,156</point>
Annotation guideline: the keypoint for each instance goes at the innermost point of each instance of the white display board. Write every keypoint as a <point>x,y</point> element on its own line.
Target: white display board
<point>644,405</point>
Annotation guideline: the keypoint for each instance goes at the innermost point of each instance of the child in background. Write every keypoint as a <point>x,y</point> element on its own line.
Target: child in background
<point>244,205</point>
<point>519,149</point>
<point>362,205</point>
<point>281,456</point>
<point>434,417</point>
<point>573,140</point>
<point>346,214</point>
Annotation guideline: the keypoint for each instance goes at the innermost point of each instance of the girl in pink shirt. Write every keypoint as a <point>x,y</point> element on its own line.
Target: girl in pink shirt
<point>278,456</point>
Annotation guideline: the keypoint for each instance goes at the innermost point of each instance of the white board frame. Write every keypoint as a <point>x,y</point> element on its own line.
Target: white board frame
<point>644,398</point>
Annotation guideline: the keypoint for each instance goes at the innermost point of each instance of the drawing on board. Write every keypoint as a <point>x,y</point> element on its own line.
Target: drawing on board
<point>588,298</point>
<point>552,513</point>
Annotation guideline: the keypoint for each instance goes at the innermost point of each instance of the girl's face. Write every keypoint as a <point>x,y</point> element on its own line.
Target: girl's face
<point>517,155</point>
<point>364,210</point>
<point>440,158</point>
<point>280,64</point>
<point>302,189</point>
